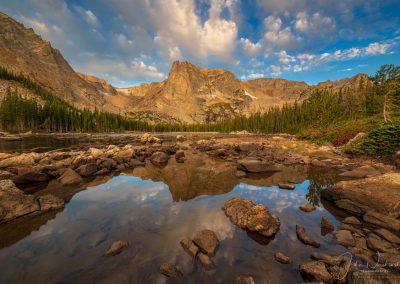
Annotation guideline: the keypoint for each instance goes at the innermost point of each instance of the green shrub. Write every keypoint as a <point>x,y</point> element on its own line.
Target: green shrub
<point>382,141</point>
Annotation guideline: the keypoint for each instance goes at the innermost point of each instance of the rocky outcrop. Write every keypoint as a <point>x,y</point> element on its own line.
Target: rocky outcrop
<point>248,216</point>
<point>380,194</point>
<point>24,52</point>
<point>159,159</point>
<point>14,202</point>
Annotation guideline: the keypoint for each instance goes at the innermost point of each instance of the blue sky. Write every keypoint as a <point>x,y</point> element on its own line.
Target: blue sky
<point>128,42</point>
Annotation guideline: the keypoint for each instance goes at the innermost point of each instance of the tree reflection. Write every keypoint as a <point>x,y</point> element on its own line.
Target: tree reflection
<point>320,179</point>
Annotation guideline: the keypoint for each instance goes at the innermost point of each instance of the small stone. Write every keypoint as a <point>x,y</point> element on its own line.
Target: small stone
<point>345,238</point>
<point>307,207</point>
<point>244,279</point>
<point>116,248</point>
<point>205,261</point>
<point>280,257</point>
<point>189,247</point>
<point>170,270</point>
<point>287,186</point>
<point>352,221</point>
<point>326,224</point>
<point>207,241</point>
<point>304,238</point>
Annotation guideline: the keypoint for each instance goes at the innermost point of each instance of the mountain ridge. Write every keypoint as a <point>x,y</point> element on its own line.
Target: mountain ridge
<point>189,94</point>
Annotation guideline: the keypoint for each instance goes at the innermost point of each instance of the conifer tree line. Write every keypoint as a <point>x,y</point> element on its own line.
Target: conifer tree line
<point>320,108</point>
<point>20,114</point>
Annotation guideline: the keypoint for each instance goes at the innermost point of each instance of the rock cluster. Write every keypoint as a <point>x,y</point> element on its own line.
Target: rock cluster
<point>15,203</point>
<point>248,216</point>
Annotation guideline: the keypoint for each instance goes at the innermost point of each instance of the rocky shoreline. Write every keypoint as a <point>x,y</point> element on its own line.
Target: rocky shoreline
<point>369,191</point>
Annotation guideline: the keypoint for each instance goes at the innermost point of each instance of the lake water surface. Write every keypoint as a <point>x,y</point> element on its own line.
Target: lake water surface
<point>153,209</point>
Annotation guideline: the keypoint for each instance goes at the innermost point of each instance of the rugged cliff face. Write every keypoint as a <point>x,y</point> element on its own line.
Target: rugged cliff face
<point>190,94</point>
<point>23,51</point>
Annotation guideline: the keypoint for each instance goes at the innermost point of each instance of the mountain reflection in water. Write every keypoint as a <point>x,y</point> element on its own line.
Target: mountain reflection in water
<point>140,206</point>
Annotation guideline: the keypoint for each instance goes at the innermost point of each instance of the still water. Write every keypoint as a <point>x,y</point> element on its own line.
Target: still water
<point>153,209</point>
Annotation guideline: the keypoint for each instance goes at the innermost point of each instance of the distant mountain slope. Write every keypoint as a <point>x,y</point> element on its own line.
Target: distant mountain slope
<point>23,51</point>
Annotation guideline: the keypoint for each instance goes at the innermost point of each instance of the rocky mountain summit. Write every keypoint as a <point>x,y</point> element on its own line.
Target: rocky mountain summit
<point>190,94</point>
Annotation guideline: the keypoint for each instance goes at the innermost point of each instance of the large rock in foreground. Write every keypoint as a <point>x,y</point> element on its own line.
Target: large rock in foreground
<point>14,203</point>
<point>380,194</point>
<point>248,216</point>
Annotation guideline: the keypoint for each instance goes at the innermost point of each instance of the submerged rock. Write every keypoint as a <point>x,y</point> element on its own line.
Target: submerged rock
<point>307,207</point>
<point>280,257</point>
<point>326,224</point>
<point>14,202</point>
<point>256,166</point>
<point>70,177</point>
<point>286,186</point>
<point>304,238</point>
<point>205,261</point>
<point>207,241</point>
<point>248,216</point>
<point>50,202</point>
<point>116,248</point>
<point>170,270</point>
<point>244,279</point>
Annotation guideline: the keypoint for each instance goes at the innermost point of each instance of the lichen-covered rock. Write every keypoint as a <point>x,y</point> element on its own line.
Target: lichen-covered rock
<point>207,241</point>
<point>14,202</point>
<point>248,216</point>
